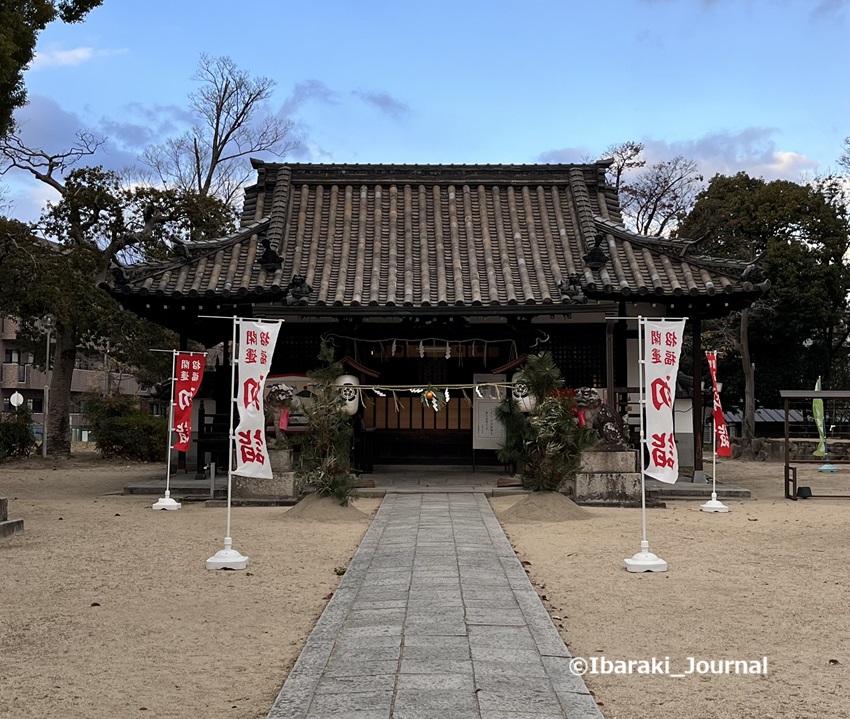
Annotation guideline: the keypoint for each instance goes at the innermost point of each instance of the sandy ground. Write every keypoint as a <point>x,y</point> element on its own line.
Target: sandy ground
<point>771,578</point>
<point>170,639</point>
<point>106,609</point>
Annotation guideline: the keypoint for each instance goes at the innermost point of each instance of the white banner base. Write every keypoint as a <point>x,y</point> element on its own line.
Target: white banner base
<point>227,558</point>
<point>166,502</point>
<point>713,505</point>
<point>645,561</point>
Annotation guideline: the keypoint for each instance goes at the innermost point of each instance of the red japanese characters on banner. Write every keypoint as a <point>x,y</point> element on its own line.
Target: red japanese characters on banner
<point>256,347</point>
<point>723,448</point>
<point>662,346</point>
<point>188,373</point>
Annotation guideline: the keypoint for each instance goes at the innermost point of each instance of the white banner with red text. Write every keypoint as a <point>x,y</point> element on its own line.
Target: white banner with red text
<point>661,346</point>
<point>723,446</point>
<point>188,373</point>
<point>256,346</point>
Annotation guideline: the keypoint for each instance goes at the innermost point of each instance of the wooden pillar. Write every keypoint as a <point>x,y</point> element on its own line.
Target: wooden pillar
<point>696,344</point>
<point>609,364</point>
<point>621,356</point>
<point>522,336</point>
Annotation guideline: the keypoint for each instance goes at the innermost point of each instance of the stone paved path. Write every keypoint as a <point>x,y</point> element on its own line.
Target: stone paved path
<point>435,618</point>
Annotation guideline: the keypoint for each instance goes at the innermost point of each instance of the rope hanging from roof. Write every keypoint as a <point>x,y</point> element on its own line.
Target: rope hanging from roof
<point>434,396</point>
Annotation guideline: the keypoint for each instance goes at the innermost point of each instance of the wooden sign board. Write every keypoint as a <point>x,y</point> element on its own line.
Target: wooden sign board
<point>487,431</point>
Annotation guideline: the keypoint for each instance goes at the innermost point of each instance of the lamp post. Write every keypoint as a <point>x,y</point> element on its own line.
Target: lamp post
<point>49,323</point>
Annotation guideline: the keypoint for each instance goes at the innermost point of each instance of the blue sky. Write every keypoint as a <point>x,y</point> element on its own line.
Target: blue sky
<point>756,85</point>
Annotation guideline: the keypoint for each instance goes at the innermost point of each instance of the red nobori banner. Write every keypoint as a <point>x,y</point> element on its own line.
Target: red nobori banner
<point>256,346</point>
<point>721,432</point>
<point>662,346</point>
<point>188,373</point>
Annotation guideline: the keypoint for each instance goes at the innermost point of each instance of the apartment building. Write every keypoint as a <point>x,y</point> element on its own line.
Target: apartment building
<point>92,372</point>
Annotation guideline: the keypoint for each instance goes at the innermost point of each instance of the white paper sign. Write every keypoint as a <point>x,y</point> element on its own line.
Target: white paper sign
<point>662,346</point>
<point>488,431</point>
<point>256,347</point>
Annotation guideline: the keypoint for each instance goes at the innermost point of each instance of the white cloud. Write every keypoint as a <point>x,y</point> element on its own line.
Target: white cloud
<point>753,150</point>
<point>65,58</point>
<point>28,198</point>
<point>384,102</point>
<point>786,164</point>
<point>818,8</point>
<point>305,91</point>
<point>566,155</point>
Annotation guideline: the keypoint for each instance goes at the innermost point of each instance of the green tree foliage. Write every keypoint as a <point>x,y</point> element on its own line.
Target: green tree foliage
<point>121,429</point>
<point>20,23</point>
<point>16,437</point>
<point>326,450</point>
<point>94,228</point>
<point>545,444</point>
<point>800,235</point>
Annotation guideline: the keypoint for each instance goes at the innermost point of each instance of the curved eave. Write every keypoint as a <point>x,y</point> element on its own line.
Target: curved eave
<point>150,278</point>
<point>717,304</point>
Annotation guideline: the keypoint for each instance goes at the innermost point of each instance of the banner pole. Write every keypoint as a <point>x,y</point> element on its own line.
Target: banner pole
<point>234,362</point>
<point>642,377</point>
<point>713,504</point>
<point>644,560</point>
<point>713,455</point>
<point>167,502</point>
<point>229,558</point>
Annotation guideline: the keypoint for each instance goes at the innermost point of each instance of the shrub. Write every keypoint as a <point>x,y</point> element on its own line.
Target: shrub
<point>121,429</point>
<point>326,449</point>
<point>16,437</point>
<point>546,444</point>
<point>141,437</point>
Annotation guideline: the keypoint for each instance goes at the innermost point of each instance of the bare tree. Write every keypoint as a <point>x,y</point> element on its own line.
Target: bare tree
<point>44,166</point>
<point>229,127</point>
<point>626,156</point>
<point>656,198</point>
<point>662,195</point>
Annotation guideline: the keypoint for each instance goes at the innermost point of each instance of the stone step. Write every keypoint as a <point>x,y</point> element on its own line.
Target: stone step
<point>10,527</point>
<point>178,485</point>
<point>696,491</point>
<point>489,490</point>
<point>250,502</point>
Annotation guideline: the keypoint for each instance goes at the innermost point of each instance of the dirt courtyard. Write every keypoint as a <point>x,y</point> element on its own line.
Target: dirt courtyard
<point>770,578</point>
<point>106,609</point>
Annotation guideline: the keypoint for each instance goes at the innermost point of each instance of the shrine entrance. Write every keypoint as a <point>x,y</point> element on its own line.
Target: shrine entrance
<point>393,426</point>
<point>405,429</point>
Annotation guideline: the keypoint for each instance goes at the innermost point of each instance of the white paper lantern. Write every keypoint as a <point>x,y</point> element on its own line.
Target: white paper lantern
<point>348,384</point>
<point>526,402</point>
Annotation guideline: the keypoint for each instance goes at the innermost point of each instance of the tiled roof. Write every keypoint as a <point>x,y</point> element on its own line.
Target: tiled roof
<point>431,235</point>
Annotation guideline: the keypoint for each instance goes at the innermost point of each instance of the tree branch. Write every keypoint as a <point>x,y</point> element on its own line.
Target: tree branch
<point>45,166</point>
